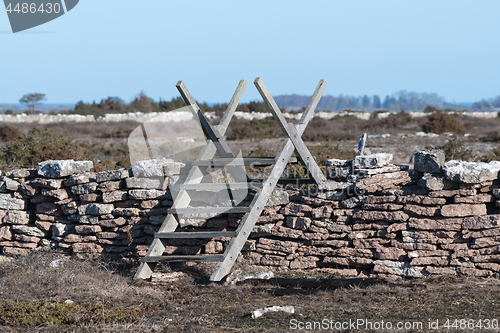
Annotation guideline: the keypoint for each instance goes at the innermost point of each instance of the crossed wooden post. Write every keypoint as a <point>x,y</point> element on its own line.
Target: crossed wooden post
<point>216,144</point>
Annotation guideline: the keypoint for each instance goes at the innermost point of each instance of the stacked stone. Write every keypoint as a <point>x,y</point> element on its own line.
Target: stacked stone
<point>62,204</point>
<point>375,220</point>
<point>431,220</point>
<point>18,233</point>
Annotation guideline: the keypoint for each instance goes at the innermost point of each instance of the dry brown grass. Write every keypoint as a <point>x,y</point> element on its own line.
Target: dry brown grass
<point>193,304</point>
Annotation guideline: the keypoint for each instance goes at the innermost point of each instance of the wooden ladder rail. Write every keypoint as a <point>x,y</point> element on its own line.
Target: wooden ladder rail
<point>274,173</point>
<point>195,175</point>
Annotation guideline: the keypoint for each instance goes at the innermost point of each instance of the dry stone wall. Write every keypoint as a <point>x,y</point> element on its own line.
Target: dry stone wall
<point>376,220</point>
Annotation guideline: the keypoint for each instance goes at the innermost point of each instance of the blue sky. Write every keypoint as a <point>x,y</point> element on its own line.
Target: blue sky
<point>120,47</point>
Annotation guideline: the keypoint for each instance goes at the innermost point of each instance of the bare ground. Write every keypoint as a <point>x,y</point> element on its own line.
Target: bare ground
<point>193,304</point>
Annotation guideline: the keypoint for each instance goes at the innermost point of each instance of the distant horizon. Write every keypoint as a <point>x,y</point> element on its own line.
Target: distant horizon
<point>362,47</point>
<point>72,105</point>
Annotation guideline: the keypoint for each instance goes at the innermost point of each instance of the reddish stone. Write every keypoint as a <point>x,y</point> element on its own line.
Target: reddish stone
<point>375,199</point>
<point>213,247</point>
<point>441,270</point>
<point>89,198</point>
<point>421,200</point>
<point>113,222</point>
<point>350,262</point>
<point>322,212</point>
<point>86,248</point>
<point>425,261</point>
<point>72,238</point>
<point>15,251</point>
<point>378,215</point>
<point>382,206</point>
<point>25,238</point>
<point>473,272</point>
<point>396,227</point>
<point>485,242</point>
<point>48,208</point>
<point>481,222</point>
<point>87,229</point>
<point>304,263</point>
<point>422,210</point>
<point>483,198</point>
<point>457,210</point>
<point>390,253</point>
<point>435,224</point>
<point>5,233</point>
<point>452,193</point>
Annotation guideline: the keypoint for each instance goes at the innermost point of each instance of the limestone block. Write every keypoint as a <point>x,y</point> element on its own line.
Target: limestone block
<point>471,172</point>
<point>60,169</point>
<point>372,161</point>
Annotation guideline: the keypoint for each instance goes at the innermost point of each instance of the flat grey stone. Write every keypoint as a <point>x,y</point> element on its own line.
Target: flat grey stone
<point>338,163</point>
<point>263,230</point>
<point>30,231</point>
<point>401,268</point>
<point>338,172</point>
<point>63,168</point>
<point>16,217</point>
<point>84,219</point>
<point>11,185</point>
<point>278,197</point>
<point>19,173</point>
<point>9,201</point>
<point>176,168</point>
<point>429,161</point>
<point>471,172</point>
<point>372,161</point>
<point>150,168</point>
<point>147,194</point>
<point>144,183</point>
<point>61,229</point>
<point>112,175</point>
<point>59,194</point>
<point>83,188</point>
<point>95,209</point>
<point>353,202</point>
<point>77,179</point>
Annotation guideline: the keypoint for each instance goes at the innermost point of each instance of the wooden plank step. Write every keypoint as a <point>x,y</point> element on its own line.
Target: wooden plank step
<point>256,161</point>
<point>295,181</point>
<point>220,186</point>
<point>286,181</point>
<point>182,258</point>
<point>208,210</point>
<point>196,234</point>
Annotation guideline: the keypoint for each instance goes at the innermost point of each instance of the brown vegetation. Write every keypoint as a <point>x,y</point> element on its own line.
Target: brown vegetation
<point>8,133</point>
<point>443,123</point>
<point>191,304</point>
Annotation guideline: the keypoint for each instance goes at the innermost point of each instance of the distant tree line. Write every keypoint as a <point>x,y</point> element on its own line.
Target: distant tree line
<point>143,103</point>
<point>401,100</point>
<point>487,105</point>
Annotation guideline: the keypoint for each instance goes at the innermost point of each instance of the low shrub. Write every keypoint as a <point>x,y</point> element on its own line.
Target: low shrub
<point>443,123</point>
<point>241,129</point>
<point>454,149</point>
<point>491,137</point>
<point>41,144</point>
<point>8,133</point>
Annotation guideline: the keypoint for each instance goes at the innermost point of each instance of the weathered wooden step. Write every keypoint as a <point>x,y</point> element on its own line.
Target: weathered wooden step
<point>248,161</point>
<point>182,258</point>
<point>220,186</point>
<point>208,210</point>
<point>196,234</point>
